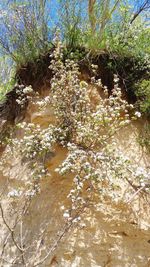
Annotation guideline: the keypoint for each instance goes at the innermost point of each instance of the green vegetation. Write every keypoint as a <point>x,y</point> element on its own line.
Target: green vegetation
<point>144,137</point>
<point>7,77</point>
<point>114,27</point>
<point>25,25</point>
<point>96,25</point>
<point>143,94</point>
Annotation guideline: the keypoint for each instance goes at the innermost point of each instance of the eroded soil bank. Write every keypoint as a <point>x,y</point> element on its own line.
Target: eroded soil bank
<point>108,234</point>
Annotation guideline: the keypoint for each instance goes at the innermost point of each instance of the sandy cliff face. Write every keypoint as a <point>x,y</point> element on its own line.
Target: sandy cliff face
<point>108,234</point>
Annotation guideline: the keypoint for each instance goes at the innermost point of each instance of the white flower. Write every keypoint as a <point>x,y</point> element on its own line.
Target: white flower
<point>18,101</point>
<point>27,90</point>
<point>116,79</point>
<point>138,114</point>
<point>66,215</point>
<point>14,193</point>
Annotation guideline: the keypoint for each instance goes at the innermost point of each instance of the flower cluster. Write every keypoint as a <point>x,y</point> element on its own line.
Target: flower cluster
<point>32,147</point>
<point>94,171</point>
<point>23,94</point>
<point>36,142</point>
<point>87,129</point>
<point>83,123</point>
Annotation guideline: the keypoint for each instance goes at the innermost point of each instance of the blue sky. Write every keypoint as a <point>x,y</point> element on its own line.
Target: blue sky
<point>52,9</point>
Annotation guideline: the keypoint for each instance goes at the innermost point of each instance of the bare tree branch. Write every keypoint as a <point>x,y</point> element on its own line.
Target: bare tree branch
<point>92,15</point>
<point>9,228</point>
<point>145,6</point>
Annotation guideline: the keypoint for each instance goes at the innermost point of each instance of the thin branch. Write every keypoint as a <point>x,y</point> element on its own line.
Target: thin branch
<point>3,248</point>
<point>92,18</point>
<point>10,230</point>
<point>21,244</point>
<point>136,193</point>
<point>65,230</point>
<point>145,6</point>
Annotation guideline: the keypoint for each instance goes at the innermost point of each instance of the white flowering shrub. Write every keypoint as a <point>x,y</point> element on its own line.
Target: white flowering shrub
<point>82,122</point>
<point>69,98</point>
<point>85,127</point>
<point>36,142</point>
<point>88,130</point>
<point>31,148</point>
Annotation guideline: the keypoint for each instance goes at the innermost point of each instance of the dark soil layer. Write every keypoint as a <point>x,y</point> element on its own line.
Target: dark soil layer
<point>37,74</point>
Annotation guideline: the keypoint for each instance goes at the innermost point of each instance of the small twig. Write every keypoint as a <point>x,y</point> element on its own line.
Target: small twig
<point>139,190</point>
<point>3,249</point>
<point>10,230</point>
<point>65,230</point>
<point>21,244</point>
<point>10,263</point>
